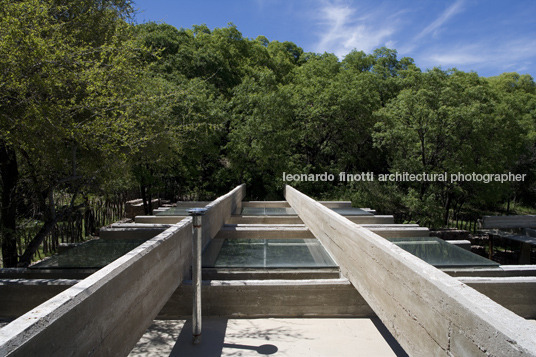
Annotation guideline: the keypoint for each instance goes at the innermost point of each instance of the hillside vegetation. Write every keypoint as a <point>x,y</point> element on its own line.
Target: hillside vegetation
<point>91,104</point>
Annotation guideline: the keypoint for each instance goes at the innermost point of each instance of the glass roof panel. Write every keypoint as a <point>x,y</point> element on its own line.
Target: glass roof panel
<point>441,254</point>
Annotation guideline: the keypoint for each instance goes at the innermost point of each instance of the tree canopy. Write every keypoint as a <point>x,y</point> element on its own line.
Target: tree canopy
<point>92,103</point>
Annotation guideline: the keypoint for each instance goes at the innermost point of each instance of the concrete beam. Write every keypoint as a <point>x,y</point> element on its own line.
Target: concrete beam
<point>159,219</point>
<point>400,232</point>
<point>378,219</point>
<point>427,311</point>
<point>264,232</point>
<point>517,294</point>
<point>336,204</point>
<point>220,210</point>
<point>270,204</point>
<point>106,313</point>
<point>500,271</point>
<point>18,296</point>
<point>130,233</point>
<point>270,298</point>
<point>270,274</point>
<point>238,219</point>
<point>48,274</point>
<point>277,204</point>
<point>139,225</point>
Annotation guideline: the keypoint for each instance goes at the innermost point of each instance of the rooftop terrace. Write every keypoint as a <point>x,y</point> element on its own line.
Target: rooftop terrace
<point>290,278</point>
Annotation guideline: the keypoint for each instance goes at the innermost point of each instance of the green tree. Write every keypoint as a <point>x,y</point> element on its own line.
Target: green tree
<point>446,121</point>
<point>67,70</point>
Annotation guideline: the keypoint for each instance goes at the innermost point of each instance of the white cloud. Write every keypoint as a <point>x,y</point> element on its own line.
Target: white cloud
<point>434,27</point>
<point>345,28</point>
<point>505,55</point>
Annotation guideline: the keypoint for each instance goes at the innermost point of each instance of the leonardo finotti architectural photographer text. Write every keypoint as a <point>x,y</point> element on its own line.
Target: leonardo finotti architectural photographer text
<point>405,177</point>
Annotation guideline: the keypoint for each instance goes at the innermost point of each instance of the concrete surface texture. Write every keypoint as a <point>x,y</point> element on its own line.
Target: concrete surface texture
<point>428,312</point>
<point>106,313</point>
<point>272,337</point>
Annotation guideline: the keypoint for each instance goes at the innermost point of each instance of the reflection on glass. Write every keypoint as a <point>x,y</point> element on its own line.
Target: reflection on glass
<point>441,254</point>
<point>268,211</point>
<point>92,254</point>
<point>266,253</point>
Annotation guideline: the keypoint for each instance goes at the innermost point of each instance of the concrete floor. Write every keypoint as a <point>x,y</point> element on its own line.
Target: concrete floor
<point>277,337</point>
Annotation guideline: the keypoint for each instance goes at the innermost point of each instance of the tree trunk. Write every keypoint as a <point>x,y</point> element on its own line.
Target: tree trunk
<point>144,199</point>
<point>447,211</point>
<point>9,173</point>
<point>48,226</point>
<point>33,246</point>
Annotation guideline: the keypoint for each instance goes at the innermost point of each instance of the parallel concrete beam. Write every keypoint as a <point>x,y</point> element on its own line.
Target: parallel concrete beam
<point>400,232</point>
<point>264,232</point>
<point>130,233</point>
<point>238,219</point>
<point>270,298</point>
<point>427,311</point>
<point>270,204</point>
<point>500,271</point>
<point>220,210</point>
<point>18,296</point>
<point>278,204</point>
<point>106,313</point>
<point>376,219</point>
<point>159,219</point>
<point>518,294</point>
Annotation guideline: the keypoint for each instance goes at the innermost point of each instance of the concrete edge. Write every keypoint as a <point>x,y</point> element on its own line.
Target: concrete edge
<point>474,316</point>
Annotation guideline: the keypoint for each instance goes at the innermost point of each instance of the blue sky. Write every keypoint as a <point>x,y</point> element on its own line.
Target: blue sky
<point>486,36</point>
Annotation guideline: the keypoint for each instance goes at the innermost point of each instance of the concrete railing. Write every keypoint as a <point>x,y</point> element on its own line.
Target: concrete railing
<point>427,311</point>
<point>106,313</point>
<point>220,210</point>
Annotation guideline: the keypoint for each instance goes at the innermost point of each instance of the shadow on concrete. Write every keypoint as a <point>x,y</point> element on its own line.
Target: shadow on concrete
<point>391,341</point>
<point>262,349</point>
<point>212,339</point>
<point>159,338</point>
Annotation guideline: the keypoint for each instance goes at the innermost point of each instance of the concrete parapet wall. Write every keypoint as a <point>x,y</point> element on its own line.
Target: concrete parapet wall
<point>18,296</point>
<point>426,310</point>
<point>270,298</point>
<point>270,204</point>
<point>235,219</point>
<point>48,274</point>
<point>277,204</point>
<point>106,313</point>
<point>337,204</point>
<point>130,233</point>
<point>400,232</point>
<point>379,219</point>
<point>220,210</point>
<point>517,294</point>
<point>270,274</point>
<point>159,219</point>
<point>263,232</point>
<point>500,271</point>
<point>135,207</point>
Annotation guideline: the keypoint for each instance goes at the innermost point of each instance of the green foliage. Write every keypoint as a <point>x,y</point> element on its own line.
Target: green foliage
<point>90,103</point>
